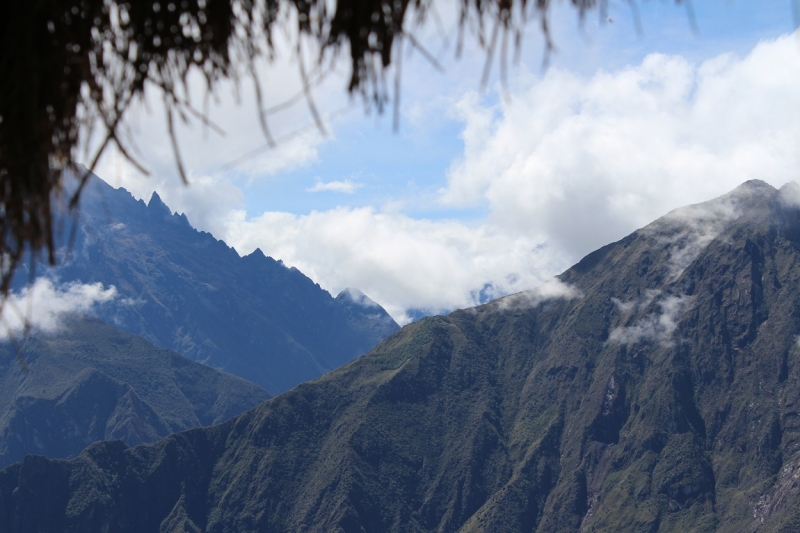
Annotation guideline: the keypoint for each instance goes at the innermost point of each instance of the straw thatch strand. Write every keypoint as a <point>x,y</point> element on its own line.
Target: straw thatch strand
<point>69,69</point>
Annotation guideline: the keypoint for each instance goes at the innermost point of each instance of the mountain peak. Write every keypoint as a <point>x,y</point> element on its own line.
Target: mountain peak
<point>354,296</point>
<point>753,186</point>
<point>157,205</point>
<point>790,193</point>
<point>250,316</point>
<point>748,194</point>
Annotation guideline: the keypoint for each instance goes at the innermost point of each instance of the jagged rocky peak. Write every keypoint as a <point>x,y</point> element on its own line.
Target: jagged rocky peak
<point>157,204</point>
<point>192,293</point>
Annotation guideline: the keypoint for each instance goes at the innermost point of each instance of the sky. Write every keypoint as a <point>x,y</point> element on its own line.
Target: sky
<point>483,191</point>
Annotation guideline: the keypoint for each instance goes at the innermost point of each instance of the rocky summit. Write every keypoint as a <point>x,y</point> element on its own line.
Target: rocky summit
<point>184,290</point>
<point>654,386</point>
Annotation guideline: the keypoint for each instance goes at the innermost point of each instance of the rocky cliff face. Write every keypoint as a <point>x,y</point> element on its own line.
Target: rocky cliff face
<point>654,386</point>
<point>184,290</point>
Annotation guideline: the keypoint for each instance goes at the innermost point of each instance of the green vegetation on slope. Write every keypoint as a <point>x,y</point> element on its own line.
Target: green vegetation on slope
<point>92,382</point>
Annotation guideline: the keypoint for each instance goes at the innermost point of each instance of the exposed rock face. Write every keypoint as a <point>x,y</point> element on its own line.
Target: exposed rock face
<point>92,382</point>
<point>184,290</point>
<point>654,387</point>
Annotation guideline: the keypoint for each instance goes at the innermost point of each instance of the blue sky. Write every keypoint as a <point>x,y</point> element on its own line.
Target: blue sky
<point>502,187</point>
<point>412,163</point>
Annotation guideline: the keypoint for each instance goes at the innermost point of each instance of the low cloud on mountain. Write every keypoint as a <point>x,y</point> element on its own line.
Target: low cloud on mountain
<point>658,326</point>
<point>44,305</point>
<point>552,289</point>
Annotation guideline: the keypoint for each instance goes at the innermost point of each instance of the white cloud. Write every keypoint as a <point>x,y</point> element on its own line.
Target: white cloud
<point>401,262</point>
<point>217,164</point>
<point>657,327</point>
<point>552,289</point>
<point>689,230</point>
<point>43,305</point>
<point>627,307</point>
<point>586,161</point>
<point>790,194</point>
<point>345,186</point>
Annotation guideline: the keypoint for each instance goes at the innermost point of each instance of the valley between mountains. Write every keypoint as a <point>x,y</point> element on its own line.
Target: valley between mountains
<point>652,387</point>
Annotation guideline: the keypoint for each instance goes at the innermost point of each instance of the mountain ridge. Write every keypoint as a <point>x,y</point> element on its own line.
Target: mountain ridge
<point>90,381</point>
<point>187,291</point>
<point>654,386</point>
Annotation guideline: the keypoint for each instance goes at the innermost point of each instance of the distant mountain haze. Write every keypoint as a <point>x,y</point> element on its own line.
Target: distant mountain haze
<point>91,382</point>
<point>184,290</point>
<point>652,387</point>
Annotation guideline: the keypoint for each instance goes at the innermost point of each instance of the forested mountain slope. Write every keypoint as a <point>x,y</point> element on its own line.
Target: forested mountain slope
<point>91,381</point>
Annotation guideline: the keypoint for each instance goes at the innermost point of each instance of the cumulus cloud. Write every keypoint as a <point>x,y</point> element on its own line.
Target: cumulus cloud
<point>43,305</point>
<point>345,186</point>
<point>588,160</point>
<point>657,327</point>
<point>401,262</point>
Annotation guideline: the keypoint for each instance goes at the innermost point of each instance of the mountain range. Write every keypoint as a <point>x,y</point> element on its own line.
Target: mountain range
<point>90,381</point>
<point>184,290</point>
<point>652,387</point>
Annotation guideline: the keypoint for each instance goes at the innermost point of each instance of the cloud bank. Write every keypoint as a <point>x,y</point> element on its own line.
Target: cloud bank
<point>43,305</point>
<point>586,161</point>
<point>399,261</point>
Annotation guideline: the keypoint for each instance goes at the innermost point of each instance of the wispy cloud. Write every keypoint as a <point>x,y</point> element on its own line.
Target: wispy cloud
<point>689,230</point>
<point>43,306</point>
<point>553,289</point>
<point>657,326</point>
<point>344,186</point>
<point>631,305</point>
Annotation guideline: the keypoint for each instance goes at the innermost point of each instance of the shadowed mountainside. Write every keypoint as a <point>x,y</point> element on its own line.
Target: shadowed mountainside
<point>184,290</point>
<point>92,382</point>
<point>655,386</point>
